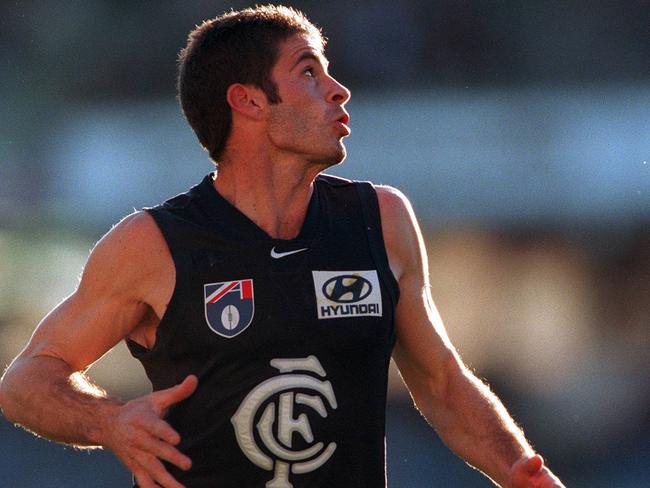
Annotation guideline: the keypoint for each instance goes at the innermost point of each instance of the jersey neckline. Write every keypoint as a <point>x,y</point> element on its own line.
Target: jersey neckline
<point>233,224</point>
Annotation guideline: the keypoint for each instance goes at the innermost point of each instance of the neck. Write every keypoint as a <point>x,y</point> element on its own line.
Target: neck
<point>273,194</point>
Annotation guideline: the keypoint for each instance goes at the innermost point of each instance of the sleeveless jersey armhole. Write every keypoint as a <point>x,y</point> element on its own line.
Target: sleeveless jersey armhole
<point>374,233</point>
<point>182,266</point>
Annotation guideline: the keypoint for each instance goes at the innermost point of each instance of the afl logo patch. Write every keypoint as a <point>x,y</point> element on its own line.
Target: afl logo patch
<point>341,294</point>
<point>229,306</point>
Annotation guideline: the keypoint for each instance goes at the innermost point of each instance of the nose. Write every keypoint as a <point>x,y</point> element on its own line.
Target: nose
<point>339,93</point>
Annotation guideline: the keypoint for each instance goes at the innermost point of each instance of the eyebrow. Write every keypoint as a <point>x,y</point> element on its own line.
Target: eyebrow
<point>310,55</point>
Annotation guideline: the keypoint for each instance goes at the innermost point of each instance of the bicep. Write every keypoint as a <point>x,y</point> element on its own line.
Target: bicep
<point>423,349</point>
<point>81,329</point>
<point>122,283</point>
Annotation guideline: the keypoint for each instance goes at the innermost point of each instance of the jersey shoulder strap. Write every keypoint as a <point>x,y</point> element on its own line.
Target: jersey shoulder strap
<point>372,219</point>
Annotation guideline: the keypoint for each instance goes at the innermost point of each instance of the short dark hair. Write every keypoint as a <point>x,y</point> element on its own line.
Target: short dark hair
<point>236,47</point>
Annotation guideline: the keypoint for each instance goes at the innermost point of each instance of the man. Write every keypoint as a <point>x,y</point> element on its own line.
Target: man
<point>265,303</point>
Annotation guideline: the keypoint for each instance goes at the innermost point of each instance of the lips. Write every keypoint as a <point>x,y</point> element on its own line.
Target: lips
<point>344,119</point>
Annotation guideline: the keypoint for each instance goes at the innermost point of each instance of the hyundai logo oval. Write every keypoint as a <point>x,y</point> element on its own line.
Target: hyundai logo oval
<point>347,288</point>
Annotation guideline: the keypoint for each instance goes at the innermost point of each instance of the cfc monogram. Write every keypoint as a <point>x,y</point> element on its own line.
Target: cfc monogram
<point>277,454</point>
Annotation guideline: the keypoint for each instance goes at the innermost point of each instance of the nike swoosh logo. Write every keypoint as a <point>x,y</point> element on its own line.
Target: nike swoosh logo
<point>278,255</point>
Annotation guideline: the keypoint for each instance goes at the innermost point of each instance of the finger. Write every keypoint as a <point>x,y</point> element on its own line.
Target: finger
<point>146,441</point>
<point>552,480</point>
<point>163,431</point>
<point>168,453</point>
<point>175,394</point>
<point>143,480</point>
<point>534,464</point>
<point>155,470</point>
<point>525,470</point>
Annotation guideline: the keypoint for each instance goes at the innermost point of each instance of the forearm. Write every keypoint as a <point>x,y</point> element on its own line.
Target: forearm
<point>473,422</point>
<point>43,395</point>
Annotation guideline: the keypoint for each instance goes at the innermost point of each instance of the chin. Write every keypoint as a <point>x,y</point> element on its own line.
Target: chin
<point>334,160</point>
<point>339,155</point>
<point>331,159</point>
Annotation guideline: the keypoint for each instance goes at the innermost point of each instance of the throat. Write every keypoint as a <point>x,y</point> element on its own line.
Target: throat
<point>282,226</point>
<point>280,211</point>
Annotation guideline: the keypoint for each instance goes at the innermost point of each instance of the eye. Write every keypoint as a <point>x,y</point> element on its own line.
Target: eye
<point>309,71</point>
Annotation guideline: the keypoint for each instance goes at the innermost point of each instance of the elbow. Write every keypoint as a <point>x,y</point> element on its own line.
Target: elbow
<point>5,396</point>
<point>440,383</point>
<point>431,388</point>
<point>12,389</point>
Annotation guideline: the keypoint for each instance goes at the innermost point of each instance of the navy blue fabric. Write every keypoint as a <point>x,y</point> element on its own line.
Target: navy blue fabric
<point>212,242</point>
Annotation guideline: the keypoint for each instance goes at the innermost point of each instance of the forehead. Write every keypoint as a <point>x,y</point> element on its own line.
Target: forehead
<point>296,46</point>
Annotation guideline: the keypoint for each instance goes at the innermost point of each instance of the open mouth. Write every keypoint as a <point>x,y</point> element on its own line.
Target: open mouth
<point>344,119</point>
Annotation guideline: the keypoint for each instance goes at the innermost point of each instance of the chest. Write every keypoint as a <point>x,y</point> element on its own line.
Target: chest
<point>261,300</point>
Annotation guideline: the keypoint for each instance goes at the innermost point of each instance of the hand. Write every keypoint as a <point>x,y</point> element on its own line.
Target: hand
<point>141,439</point>
<point>530,472</point>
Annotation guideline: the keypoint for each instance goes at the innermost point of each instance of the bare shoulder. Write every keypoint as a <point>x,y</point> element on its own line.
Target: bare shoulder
<point>391,199</point>
<point>134,231</point>
<point>400,229</point>
<point>135,238</point>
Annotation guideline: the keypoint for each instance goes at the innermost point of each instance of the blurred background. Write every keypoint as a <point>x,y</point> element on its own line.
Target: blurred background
<point>520,131</point>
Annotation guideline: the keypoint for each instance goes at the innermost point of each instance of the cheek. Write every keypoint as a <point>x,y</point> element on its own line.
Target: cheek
<point>294,119</point>
<point>282,122</point>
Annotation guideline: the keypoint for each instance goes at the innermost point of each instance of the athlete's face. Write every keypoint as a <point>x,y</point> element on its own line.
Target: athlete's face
<point>310,121</point>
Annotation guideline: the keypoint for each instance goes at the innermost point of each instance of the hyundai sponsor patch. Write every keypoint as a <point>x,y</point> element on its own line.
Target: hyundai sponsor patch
<point>229,306</point>
<point>342,294</point>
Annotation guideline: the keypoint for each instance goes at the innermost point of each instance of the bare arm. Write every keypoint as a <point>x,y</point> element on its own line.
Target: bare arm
<point>124,290</point>
<point>466,414</point>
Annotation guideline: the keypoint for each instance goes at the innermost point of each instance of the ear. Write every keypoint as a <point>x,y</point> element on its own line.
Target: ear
<point>246,100</point>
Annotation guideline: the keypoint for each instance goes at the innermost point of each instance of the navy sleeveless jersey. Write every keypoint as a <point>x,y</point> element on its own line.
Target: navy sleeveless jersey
<point>290,339</point>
